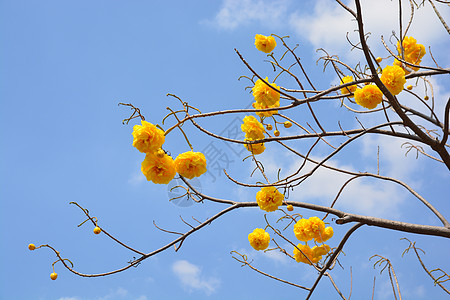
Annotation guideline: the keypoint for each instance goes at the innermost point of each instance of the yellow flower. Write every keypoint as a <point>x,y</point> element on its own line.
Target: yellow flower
<point>190,164</point>
<point>147,138</point>
<point>253,129</point>
<point>369,96</point>
<point>348,89</point>
<point>393,77</point>
<point>300,257</point>
<point>325,235</point>
<point>269,198</point>
<point>255,148</point>
<point>314,254</point>
<point>308,229</point>
<point>159,169</point>
<point>318,251</point>
<point>259,239</point>
<point>266,114</point>
<point>265,95</point>
<point>413,53</point>
<point>265,44</point>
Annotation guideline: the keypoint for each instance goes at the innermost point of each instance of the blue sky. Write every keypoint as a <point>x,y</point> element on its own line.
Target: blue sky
<point>64,67</point>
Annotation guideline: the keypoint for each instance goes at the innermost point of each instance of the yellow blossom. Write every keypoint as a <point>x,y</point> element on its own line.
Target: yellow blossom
<point>259,239</point>
<point>269,198</point>
<point>318,251</point>
<point>266,114</point>
<point>412,53</point>
<point>190,164</point>
<point>369,96</point>
<point>348,89</point>
<point>300,257</point>
<point>314,254</point>
<point>147,137</point>
<point>159,169</point>
<point>265,44</point>
<point>255,148</point>
<point>325,235</point>
<point>265,95</point>
<point>393,77</point>
<point>308,229</point>
<point>253,129</point>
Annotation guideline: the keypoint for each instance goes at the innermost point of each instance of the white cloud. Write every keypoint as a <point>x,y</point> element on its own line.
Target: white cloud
<point>115,294</point>
<point>136,178</point>
<point>191,277</point>
<point>372,197</point>
<point>363,196</point>
<point>235,13</point>
<point>316,27</point>
<point>277,256</point>
<point>274,256</point>
<point>142,298</point>
<point>414,292</point>
<point>326,25</point>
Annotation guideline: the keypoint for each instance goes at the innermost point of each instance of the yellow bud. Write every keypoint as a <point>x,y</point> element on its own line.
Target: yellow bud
<point>53,276</point>
<point>31,246</point>
<point>97,230</point>
<point>379,59</point>
<point>409,87</point>
<point>290,208</point>
<point>276,133</point>
<point>426,97</point>
<point>160,153</point>
<point>287,124</point>
<point>269,127</point>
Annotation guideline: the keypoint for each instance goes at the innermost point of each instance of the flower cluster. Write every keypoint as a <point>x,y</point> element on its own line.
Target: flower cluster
<point>259,239</point>
<point>413,53</point>
<point>348,89</point>
<point>159,167</point>
<point>254,130</point>
<point>269,198</point>
<point>369,96</point>
<point>313,255</point>
<point>312,228</point>
<point>190,164</point>
<point>393,77</point>
<point>147,137</point>
<point>266,97</point>
<point>264,43</point>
